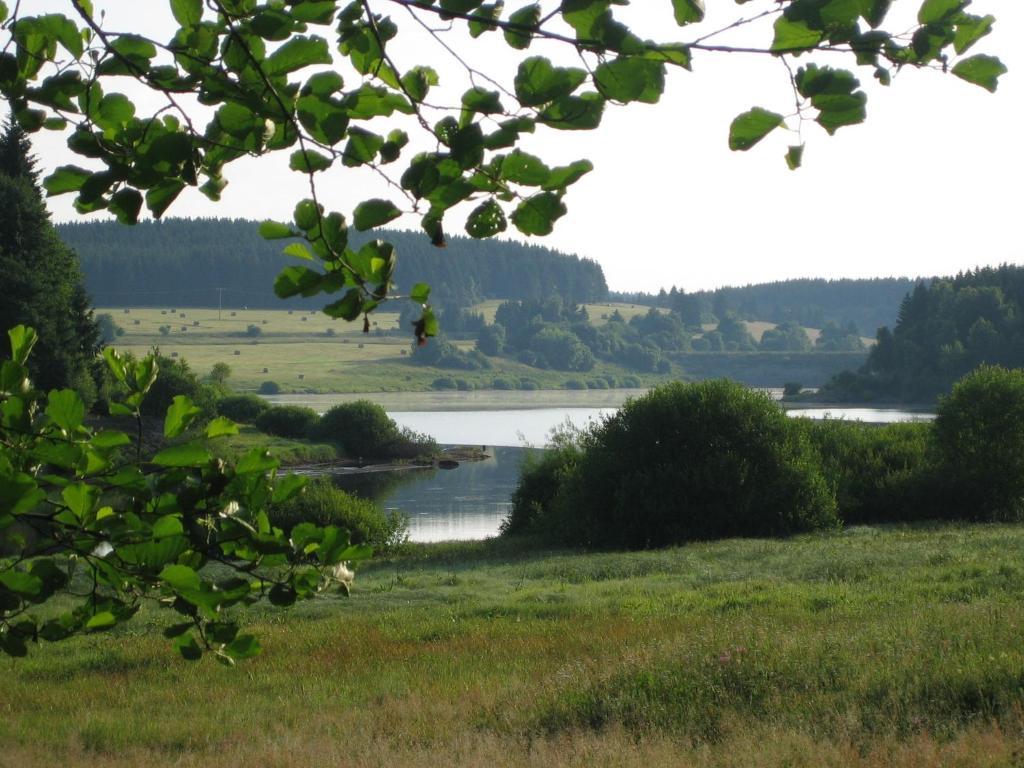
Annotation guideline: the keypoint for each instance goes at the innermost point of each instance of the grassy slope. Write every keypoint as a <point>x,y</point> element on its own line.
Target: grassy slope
<point>869,647</point>
<point>295,345</point>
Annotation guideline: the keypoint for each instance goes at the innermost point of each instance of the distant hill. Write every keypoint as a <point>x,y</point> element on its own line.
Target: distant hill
<point>869,304</point>
<point>182,262</point>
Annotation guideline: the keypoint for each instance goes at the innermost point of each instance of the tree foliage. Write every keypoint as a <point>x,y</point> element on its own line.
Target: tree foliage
<point>83,515</point>
<point>272,82</point>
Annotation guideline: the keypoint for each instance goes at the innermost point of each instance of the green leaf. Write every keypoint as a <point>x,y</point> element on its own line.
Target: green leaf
<point>308,161</point>
<point>160,197</point>
<point>417,81</point>
<point>65,409</point>
<point>294,281</point>
<point>188,647</point>
<point>934,11</point>
<point>522,168</point>
<point>125,204</point>
<point>180,414</point>
<point>3,12</point>
<point>188,455</point>
<point>631,78</point>
<point>481,100</point>
<point>574,113</point>
<point>299,251</point>
<point>22,339</point>
<point>81,498</point>
<point>566,175</point>
<point>67,178</point>
<point>981,70</point>
<point>420,293</point>
<point>180,577</point>
<point>538,82</point>
<point>362,147</point>
<point>486,220</point>
<point>187,13</point>
<point>297,53</point>
<point>273,230</point>
<point>795,156</point>
<point>306,215</point>
<point>109,439</point>
<point>750,127</point>
<point>688,11</point>
<point>221,426</point>
<point>256,461</point>
<point>536,215</point>
<point>794,36</point>
<point>168,525</point>
<point>23,584</point>
<point>243,646</point>
<point>349,307</point>
<point>527,17</point>
<point>969,30</point>
<point>374,213</point>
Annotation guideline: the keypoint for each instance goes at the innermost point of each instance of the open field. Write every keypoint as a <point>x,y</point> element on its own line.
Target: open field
<point>295,351</point>
<point>871,647</point>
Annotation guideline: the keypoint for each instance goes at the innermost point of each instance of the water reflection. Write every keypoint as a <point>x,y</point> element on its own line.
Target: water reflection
<point>469,502</point>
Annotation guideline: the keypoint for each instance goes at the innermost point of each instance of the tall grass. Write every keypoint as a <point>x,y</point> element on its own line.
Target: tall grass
<point>870,647</point>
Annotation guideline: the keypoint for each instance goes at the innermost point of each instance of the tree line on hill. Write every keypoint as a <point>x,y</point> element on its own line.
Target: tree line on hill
<point>813,303</point>
<point>183,262</point>
<point>944,328</point>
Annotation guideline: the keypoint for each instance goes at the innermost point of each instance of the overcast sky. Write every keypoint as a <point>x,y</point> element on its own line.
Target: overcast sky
<point>930,184</point>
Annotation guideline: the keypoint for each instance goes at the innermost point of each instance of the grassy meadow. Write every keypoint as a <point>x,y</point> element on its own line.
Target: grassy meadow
<point>311,352</point>
<point>870,647</point>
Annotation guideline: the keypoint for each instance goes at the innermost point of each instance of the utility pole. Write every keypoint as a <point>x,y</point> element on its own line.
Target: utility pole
<point>220,301</point>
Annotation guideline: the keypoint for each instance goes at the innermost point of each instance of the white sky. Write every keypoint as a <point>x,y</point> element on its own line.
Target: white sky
<point>928,185</point>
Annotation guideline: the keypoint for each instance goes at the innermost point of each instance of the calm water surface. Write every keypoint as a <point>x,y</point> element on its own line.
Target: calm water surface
<point>471,501</point>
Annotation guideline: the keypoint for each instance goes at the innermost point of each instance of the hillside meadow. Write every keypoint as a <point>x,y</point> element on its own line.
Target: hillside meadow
<point>893,646</point>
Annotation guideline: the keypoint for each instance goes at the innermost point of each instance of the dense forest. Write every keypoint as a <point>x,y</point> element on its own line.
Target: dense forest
<point>813,303</point>
<point>185,261</point>
<point>944,329</point>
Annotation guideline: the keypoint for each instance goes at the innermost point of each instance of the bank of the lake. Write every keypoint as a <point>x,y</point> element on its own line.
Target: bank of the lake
<point>891,646</point>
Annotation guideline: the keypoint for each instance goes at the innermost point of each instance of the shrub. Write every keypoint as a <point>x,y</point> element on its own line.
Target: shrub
<point>979,441</point>
<point>500,383</point>
<point>291,421</point>
<point>877,474</point>
<point>575,384</point>
<point>691,461</point>
<point>363,429</point>
<point>791,388</point>
<point>540,478</point>
<point>443,383</point>
<point>269,388</point>
<point>631,382</point>
<point>253,330</point>
<point>242,408</point>
<point>528,385</point>
<point>463,385</point>
<point>322,504</point>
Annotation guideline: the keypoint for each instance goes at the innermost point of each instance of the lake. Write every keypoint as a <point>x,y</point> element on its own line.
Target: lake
<point>471,501</point>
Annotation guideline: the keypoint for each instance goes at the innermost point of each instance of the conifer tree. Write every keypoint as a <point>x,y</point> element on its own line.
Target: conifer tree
<point>41,279</point>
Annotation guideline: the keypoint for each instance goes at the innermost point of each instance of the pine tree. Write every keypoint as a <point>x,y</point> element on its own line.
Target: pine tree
<point>40,277</point>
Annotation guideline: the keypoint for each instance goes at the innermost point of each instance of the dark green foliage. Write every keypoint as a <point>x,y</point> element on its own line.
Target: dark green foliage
<point>945,328</point>
<point>979,440</point>
<point>834,338</point>
<point>364,430</point>
<point>107,328</point>
<point>785,337</point>
<point>811,303</point>
<point>791,388</point>
<point>291,421</point>
<point>321,504</point>
<point>879,474</point>
<point>561,350</point>
<point>442,383</point>
<point>441,353</point>
<point>540,479</point>
<point>734,334</point>
<point>177,378</point>
<point>491,340</point>
<point>40,279</point>
<point>269,388</point>
<point>686,461</point>
<point>244,409</point>
<point>127,263</point>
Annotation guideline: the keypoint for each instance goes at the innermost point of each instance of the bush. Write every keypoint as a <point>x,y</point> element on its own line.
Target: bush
<point>791,388</point>
<point>540,478</point>
<point>291,421</point>
<point>691,461</point>
<point>528,385</point>
<point>322,504</point>
<point>244,409</point>
<point>363,429</point>
<point>575,384</point>
<point>979,442</point>
<point>269,388</point>
<point>631,382</point>
<point>500,383</point>
<point>877,474</point>
<point>443,383</point>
